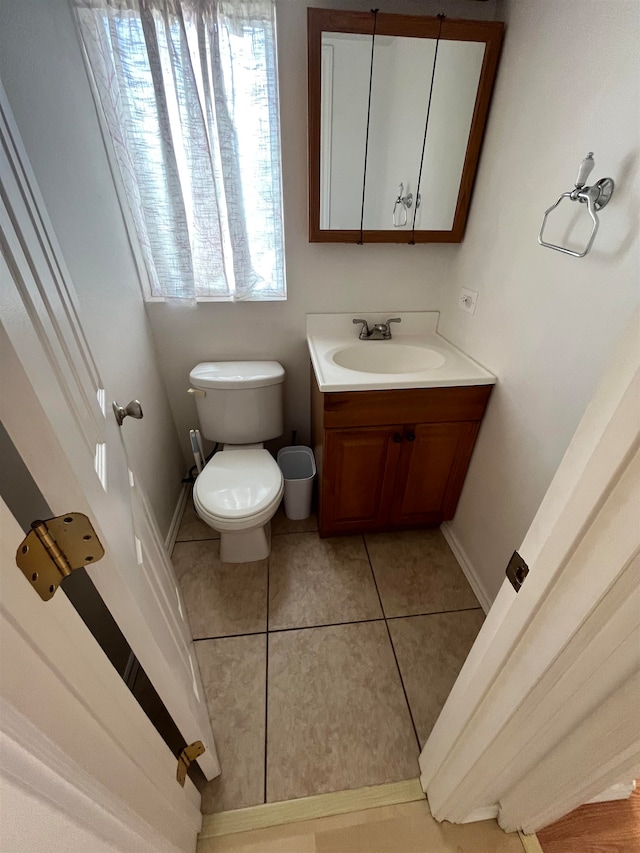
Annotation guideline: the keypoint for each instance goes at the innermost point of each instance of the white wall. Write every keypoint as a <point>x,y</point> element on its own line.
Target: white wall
<point>43,74</point>
<point>545,323</point>
<point>321,277</point>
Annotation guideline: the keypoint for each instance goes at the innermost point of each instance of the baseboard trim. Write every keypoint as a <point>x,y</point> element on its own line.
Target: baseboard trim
<point>309,808</point>
<point>483,813</point>
<point>172,535</point>
<point>530,843</point>
<point>621,791</point>
<point>467,567</point>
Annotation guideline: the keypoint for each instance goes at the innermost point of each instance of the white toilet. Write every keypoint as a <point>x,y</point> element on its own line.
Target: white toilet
<point>239,405</point>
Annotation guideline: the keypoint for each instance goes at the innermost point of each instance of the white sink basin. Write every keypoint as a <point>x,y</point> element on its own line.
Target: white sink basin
<point>416,357</point>
<point>387,357</point>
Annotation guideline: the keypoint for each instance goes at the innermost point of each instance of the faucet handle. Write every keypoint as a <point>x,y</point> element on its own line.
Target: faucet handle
<point>387,333</point>
<point>364,331</point>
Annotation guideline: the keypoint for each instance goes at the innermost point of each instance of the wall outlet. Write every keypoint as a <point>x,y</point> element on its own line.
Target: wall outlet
<point>467,300</point>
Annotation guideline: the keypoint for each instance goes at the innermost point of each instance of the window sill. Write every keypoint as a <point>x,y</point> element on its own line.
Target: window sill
<point>218,299</point>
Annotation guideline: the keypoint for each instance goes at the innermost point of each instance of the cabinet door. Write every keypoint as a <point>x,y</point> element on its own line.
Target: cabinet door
<point>358,477</point>
<point>431,472</point>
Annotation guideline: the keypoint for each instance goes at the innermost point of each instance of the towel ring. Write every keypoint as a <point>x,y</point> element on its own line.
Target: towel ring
<point>596,197</point>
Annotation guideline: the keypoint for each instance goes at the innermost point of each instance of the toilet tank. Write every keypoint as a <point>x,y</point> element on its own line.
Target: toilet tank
<point>242,400</point>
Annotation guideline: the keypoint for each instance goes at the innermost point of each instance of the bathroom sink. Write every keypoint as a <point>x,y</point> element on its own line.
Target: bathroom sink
<point>416,357</point>
<point>387,357</point>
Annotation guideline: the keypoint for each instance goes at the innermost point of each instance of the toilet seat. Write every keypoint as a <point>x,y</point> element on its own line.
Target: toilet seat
<point>238,489</point>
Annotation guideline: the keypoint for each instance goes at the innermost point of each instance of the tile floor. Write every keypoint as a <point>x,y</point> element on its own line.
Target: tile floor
<point>326,665</point>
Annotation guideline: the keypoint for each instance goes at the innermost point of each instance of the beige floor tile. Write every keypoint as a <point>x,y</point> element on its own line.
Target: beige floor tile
<point>191,527</point>
<point>416,572</point>
<point>337,716</point>
<point>430,652</point>
<point>315,581</point>
<point>405,828</point>
<point>221,598</point>
<point>281,524</point>
<point>234,677</point>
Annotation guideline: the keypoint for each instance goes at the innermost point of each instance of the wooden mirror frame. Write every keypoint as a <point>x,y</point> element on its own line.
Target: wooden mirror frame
<point>330,20</point>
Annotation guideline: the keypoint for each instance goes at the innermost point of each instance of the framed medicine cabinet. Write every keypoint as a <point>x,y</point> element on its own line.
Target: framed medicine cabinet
<point>397,111</point>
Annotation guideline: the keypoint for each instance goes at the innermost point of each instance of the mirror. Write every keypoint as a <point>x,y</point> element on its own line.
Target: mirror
<point>417,187</point>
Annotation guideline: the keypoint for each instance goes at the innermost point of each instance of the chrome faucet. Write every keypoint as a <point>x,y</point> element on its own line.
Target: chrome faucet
<point>378,332</point>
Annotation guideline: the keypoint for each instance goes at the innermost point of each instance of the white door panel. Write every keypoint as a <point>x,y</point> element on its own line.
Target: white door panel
<point>86,747</point>
<point>543,715</point>
<point>53,397</point>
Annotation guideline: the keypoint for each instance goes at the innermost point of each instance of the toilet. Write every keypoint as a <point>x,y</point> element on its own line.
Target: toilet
<point>237,493</point>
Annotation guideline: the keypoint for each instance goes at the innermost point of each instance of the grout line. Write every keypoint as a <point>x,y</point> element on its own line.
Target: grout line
<point>325,625</point>
<point>203,539</point>
<point>331,624</point>
<point>228,636</point>
<point>266,686</point>
<point>436,613</point>
<point>293,532</point>
<point>395,656</point>
<point>285,630</point>
<point>217,538</point>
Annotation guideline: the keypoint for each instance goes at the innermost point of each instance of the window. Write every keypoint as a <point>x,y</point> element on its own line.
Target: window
<point>189,93</point>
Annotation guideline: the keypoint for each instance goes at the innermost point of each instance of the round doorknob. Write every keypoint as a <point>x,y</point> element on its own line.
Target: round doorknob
<point>411,436</point>
<point>132,409</point>
<point>397,437</point>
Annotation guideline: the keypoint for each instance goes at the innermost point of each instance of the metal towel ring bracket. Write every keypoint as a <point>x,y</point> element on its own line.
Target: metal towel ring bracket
<point>405,202</point>
<point>595,197</point>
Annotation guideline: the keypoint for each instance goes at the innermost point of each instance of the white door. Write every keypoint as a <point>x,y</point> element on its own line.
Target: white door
<point>59,415</point>
<point>544,714</point>
<point>81,768</point>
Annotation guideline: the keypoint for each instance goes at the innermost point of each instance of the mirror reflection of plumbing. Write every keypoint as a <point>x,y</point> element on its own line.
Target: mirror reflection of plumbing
<point>401,207</point>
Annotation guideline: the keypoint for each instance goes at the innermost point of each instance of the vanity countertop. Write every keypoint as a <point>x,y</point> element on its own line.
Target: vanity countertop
<point>331,336</point>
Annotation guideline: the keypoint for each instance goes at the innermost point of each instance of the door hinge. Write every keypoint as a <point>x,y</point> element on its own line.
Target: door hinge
<point>517,570</point>
<point>186,757</point>
<point>56,547</point>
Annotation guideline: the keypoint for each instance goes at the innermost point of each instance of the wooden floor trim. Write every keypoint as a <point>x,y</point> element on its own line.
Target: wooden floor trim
<point>530,843</point>
<point>308,808</point>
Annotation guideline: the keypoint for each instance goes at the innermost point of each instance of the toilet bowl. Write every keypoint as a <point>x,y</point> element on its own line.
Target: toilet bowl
<point>237,493</point>
<point>240,488</point>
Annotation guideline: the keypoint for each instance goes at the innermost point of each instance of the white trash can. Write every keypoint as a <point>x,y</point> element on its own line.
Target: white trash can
<point>298,468</point>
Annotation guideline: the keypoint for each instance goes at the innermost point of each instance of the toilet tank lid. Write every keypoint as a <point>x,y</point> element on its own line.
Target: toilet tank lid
<point>233,375</point>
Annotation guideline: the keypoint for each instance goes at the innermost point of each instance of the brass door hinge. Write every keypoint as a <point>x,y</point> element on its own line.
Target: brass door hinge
<point>186,757</point>
<point>54,548</point>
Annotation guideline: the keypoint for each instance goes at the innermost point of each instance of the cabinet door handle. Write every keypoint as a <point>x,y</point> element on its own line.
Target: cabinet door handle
<point>411,436</point>
<point>397,437</point>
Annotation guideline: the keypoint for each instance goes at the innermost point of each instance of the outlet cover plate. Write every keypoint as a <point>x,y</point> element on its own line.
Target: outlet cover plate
<point>467,300</point>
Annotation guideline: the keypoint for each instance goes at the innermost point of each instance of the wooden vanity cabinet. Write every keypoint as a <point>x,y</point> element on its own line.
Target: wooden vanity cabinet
<point>389,460</point>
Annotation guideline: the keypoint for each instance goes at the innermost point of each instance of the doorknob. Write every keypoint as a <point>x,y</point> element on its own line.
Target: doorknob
<point>133,409</point>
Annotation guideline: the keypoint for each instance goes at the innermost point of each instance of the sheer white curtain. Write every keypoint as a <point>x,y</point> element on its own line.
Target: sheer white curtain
<point>189,93</point>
